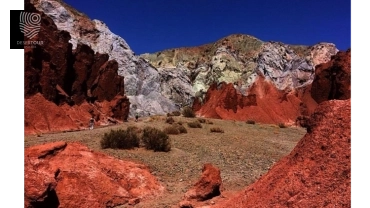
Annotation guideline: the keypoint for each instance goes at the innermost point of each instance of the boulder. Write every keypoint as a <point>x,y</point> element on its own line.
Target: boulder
<point>63,174</point>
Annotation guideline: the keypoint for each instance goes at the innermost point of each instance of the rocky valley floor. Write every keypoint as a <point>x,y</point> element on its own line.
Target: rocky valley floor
<point>243,153</point>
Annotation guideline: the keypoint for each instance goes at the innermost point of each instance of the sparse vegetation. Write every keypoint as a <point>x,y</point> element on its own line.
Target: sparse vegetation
<point>188,112</point>
<point>171,130</point>
<point>190,151</point>
<point>175,129</point>
<point>121,139</point>
<point>155,139</point>
<point>282,125</point>
<point>170,120</point>
<point>201,120</point>
<point>195,124</point>
<point>176,113</point>
<point>217,130</point>
<point>182,129</point>
<point>209,122</point>
<point>251,122</point>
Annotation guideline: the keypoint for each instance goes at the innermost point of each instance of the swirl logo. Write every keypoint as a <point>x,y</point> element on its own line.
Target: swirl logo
<point>29,24</point>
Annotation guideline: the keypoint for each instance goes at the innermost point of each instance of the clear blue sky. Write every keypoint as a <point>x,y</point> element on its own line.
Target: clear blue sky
<point>154,25</point>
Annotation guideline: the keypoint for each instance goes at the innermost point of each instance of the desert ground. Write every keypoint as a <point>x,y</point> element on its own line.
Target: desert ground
<point>243,153</point>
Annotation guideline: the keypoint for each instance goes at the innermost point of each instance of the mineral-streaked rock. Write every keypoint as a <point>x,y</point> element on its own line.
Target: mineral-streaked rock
<point>141,80</point>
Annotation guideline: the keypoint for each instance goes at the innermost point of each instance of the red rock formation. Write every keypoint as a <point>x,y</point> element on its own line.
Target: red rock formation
<point>71,175</point>
<point>208,186</point>
<point>69,81</point>
<point>333,79</point>
<point>317,173</point>
<point>264,103</point>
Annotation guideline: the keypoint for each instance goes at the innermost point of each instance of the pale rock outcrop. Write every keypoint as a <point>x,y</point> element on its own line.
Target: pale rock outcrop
<point>240,59</point>
<point>140,78</point>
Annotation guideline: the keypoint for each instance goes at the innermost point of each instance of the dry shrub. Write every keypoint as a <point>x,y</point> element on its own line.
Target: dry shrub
<point>182,129</point>
<point>282,125</point>
<point>209,122</point>
<point>176,113</point>
<point>155,139</point>
<point>250,122</point>
<point>188,112</point>
<point>171,130</point>
<point>195,124</point>
<point>217,130</point>
<point>121,139</point>
<point>170,120</point>
<point>175,129</point>
<point>201,120</point>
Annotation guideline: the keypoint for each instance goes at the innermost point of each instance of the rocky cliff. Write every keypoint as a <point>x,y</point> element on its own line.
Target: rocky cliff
<point>333,78</point>
<point>239,59</point>
<point>142,81</point>
<point>64,87</point>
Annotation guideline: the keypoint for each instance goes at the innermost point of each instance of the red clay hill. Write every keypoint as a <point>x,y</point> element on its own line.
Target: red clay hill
<point>264,103</point>
<point>317,173</point>
<point>64,87</point>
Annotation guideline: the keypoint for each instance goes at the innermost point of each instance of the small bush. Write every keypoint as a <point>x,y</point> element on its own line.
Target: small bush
<point>182,129</point>
<point>251,122</point>
<point>176,113</point>
<point>188,112</point>
<point>209,122</point>
<point>201,120</point>
<point>217,130</point>
<point>282,125</point>
<point>172,130</point>
<point>155,139</point>
<point>121,139</point>
<point>195,124</point>
<point>175,129</point>
<point>170,120</point>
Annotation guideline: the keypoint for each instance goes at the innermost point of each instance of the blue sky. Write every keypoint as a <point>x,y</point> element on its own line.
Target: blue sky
<point>154,25</point>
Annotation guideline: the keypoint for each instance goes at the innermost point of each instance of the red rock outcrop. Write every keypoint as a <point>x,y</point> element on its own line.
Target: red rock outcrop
<point>69,81</point>
<point>333,79</point>
<point>71,175</point>
<point>317,173</point>
<point>264,103</point>
<point>208,186</point>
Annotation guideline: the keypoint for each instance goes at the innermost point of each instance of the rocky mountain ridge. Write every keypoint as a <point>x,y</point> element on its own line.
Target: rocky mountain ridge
<point>168,80</point>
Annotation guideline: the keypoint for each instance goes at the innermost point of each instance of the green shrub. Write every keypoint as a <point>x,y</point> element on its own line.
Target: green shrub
<point>188,112</point>
<point>201,120</point>
<point>195,124</point>
<point>170,120</point>
<point>121,139</point>
<point>251,122</point>
<point>155,139</point>
<point>217,130</point>
<point>176,113</point>
<point>282,125</point>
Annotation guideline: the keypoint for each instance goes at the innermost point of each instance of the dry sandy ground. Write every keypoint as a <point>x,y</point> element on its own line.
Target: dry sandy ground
<point>243,153</point>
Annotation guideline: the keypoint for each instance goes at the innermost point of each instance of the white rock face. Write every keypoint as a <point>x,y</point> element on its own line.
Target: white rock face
<point>322,52</point>
<point>142,84</point>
